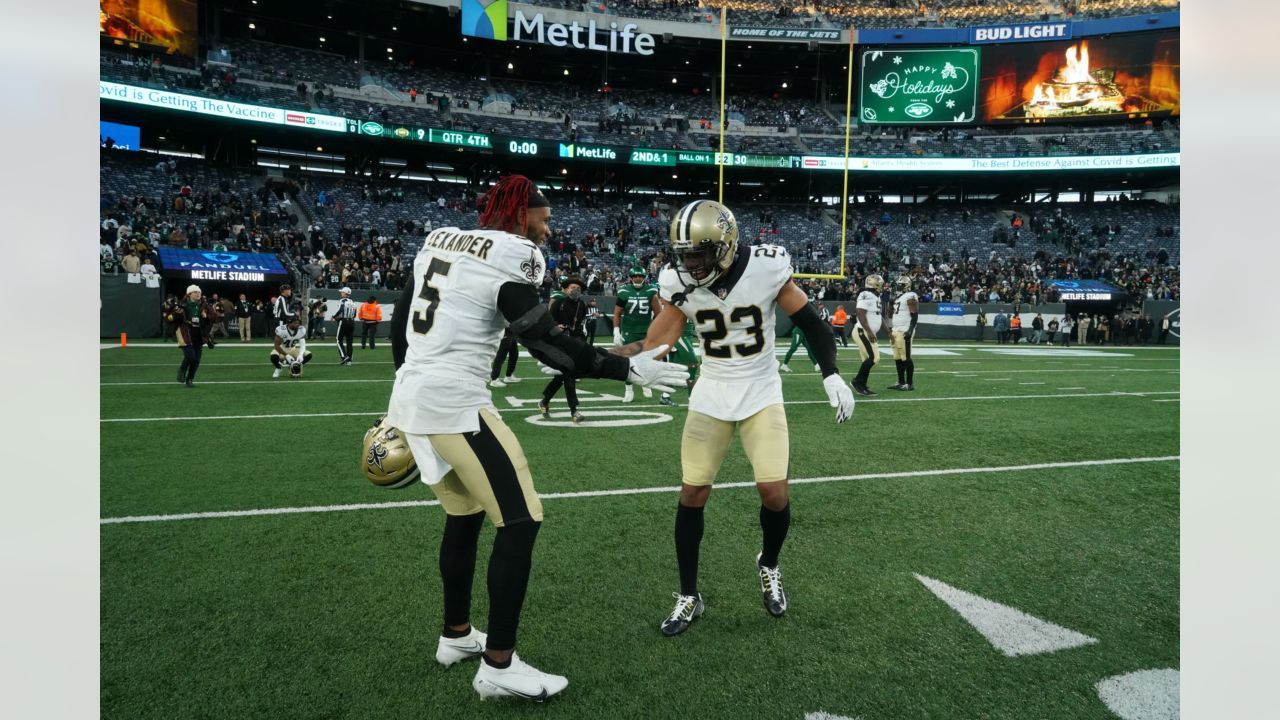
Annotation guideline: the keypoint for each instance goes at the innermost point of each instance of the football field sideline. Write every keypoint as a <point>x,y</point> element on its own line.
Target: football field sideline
<point>636,491</point>
<point>559,401</point>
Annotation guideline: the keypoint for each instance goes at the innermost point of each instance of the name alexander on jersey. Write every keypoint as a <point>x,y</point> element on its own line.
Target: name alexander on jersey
<point>460,242</point>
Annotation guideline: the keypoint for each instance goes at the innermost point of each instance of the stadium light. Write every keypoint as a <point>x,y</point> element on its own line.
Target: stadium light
<point>673,81</point>
<point>390,50</point>
<point>395,29</point>
<point>784,86</point>
<point>252,26</point>
<point>319,148</point>
<point>321,39</point>
<point>511,66</point>
<point>566,71</point>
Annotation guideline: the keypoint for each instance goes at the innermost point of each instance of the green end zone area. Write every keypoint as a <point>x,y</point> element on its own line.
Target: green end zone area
<point>335,614</point>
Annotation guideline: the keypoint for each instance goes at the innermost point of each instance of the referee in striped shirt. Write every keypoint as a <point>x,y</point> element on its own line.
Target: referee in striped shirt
<point>346,317</point>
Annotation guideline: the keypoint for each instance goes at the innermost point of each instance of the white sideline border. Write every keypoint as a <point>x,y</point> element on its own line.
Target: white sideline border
<point>133,519</point>
<point>969,398</point>
<point>793,374</point>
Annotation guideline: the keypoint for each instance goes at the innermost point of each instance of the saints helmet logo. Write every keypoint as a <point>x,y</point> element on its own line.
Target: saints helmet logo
<point>377,454</point>
<point>725,222</point>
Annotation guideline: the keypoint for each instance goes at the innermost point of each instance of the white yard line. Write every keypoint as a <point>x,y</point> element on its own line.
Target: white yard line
<point>556,401</point>
<point>637,491</point>
<point>1030,383</point>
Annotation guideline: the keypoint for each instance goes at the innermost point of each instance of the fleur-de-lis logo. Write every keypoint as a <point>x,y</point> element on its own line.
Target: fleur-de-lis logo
<point>377,454</point>
<point>532,267</point>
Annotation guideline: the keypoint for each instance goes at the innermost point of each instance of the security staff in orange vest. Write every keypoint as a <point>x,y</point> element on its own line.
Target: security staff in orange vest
<point>838,323</point>
<point>371,314</point>
<point>1015,328</point>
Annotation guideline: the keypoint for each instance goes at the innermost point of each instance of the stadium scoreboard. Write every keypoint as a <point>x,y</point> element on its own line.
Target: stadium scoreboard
<point>554,149</point>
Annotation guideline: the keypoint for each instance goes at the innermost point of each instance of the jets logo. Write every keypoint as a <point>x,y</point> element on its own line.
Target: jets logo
<point>377,454</point>
<point>532,267</point>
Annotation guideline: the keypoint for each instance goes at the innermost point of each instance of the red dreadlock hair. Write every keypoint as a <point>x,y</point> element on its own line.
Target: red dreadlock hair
<point>502,206</point>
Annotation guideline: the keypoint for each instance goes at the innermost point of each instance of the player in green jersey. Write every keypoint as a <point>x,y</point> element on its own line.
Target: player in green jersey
<point>636,307</point>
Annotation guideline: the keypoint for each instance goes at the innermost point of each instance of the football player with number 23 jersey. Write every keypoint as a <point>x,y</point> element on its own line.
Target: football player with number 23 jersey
<point>730,293</point>
<point>468,287</point>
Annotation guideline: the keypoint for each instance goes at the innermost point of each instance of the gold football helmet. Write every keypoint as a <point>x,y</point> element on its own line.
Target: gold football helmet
<point>874,282</point>
<point>386,458</point>
<point>903,282</point>
<point>704,241</point>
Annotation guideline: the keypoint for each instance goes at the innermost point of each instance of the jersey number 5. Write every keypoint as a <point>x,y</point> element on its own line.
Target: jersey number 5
<point>721,330</point>
<point>422,321</point>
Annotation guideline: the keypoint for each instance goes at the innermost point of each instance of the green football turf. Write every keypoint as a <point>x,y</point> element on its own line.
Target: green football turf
<point>336,614</point>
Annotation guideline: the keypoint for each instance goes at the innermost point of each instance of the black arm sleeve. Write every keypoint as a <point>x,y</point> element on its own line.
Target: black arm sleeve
<point>821,342</point>
<point>400,325</point>
<point>534,328</point>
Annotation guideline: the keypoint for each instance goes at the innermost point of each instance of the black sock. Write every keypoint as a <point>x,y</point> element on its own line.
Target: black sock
<point>774,525</point>
<point>911,371</point>
<point>275,360</point>
<point>902,371</point>
<point>494,663</point>
<point>689,526</point>
<point>864,372</point>
<point>458,567</point>
<point>508,580</point>
<point>455,634</point>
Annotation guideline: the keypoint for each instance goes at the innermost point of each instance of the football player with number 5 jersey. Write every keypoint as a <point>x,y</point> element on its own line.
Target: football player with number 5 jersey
<point>906,313</point>
<point>730,293</point>
<point>468,287</point>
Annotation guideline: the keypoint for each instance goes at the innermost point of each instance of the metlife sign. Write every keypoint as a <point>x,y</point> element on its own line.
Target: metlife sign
<point>217,107</point>
<point>488,20</point>
<point>1027,32</point>
<point>223,266</point>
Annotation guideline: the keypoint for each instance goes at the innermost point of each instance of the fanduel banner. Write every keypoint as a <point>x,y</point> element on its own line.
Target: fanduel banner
<point>783,34</point>
<point>1073,162</point>
<point>488,20</point>
<point>228,266</point>
<point>217,107</point>
<point>1027,32</point>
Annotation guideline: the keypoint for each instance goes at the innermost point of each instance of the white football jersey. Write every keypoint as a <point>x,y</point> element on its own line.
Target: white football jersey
<point>902,310</point>
<point>735,324</point>
<point>291,339</point>
<point>454,326</point>
<point>870,302</point>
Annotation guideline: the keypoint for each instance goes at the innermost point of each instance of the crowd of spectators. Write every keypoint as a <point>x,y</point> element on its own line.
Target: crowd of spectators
<point>363,232</point>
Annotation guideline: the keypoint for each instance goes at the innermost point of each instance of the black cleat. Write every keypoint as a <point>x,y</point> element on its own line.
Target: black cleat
<point>908,388</point>
<point>899,386</point>
<point>190,384</point>
<point>544,409</point>
<point>863,390</point>
<point>775,598</point>
<point>688,609</point>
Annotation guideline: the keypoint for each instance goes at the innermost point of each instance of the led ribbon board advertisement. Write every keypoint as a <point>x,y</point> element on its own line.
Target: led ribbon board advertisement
<point>1009,164</point>
<point>930,85</point>
<point>228,266</point>
<point>152,97</point>
<point>1131,75</point>
<point>167,24</point>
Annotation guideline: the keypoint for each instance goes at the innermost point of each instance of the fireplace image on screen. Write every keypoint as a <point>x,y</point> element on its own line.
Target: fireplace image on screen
<point>1101,77</point>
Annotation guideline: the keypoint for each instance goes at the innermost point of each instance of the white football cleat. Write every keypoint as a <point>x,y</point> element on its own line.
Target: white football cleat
<point>497,384</point>
<point>455,650</point>
<point>817,367</point>
<point>783,367</point>
<point>276,374</point>
<point>520,679</point>
<point>511,379</point>
<point>629,395</point>
<point>648,392</point>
